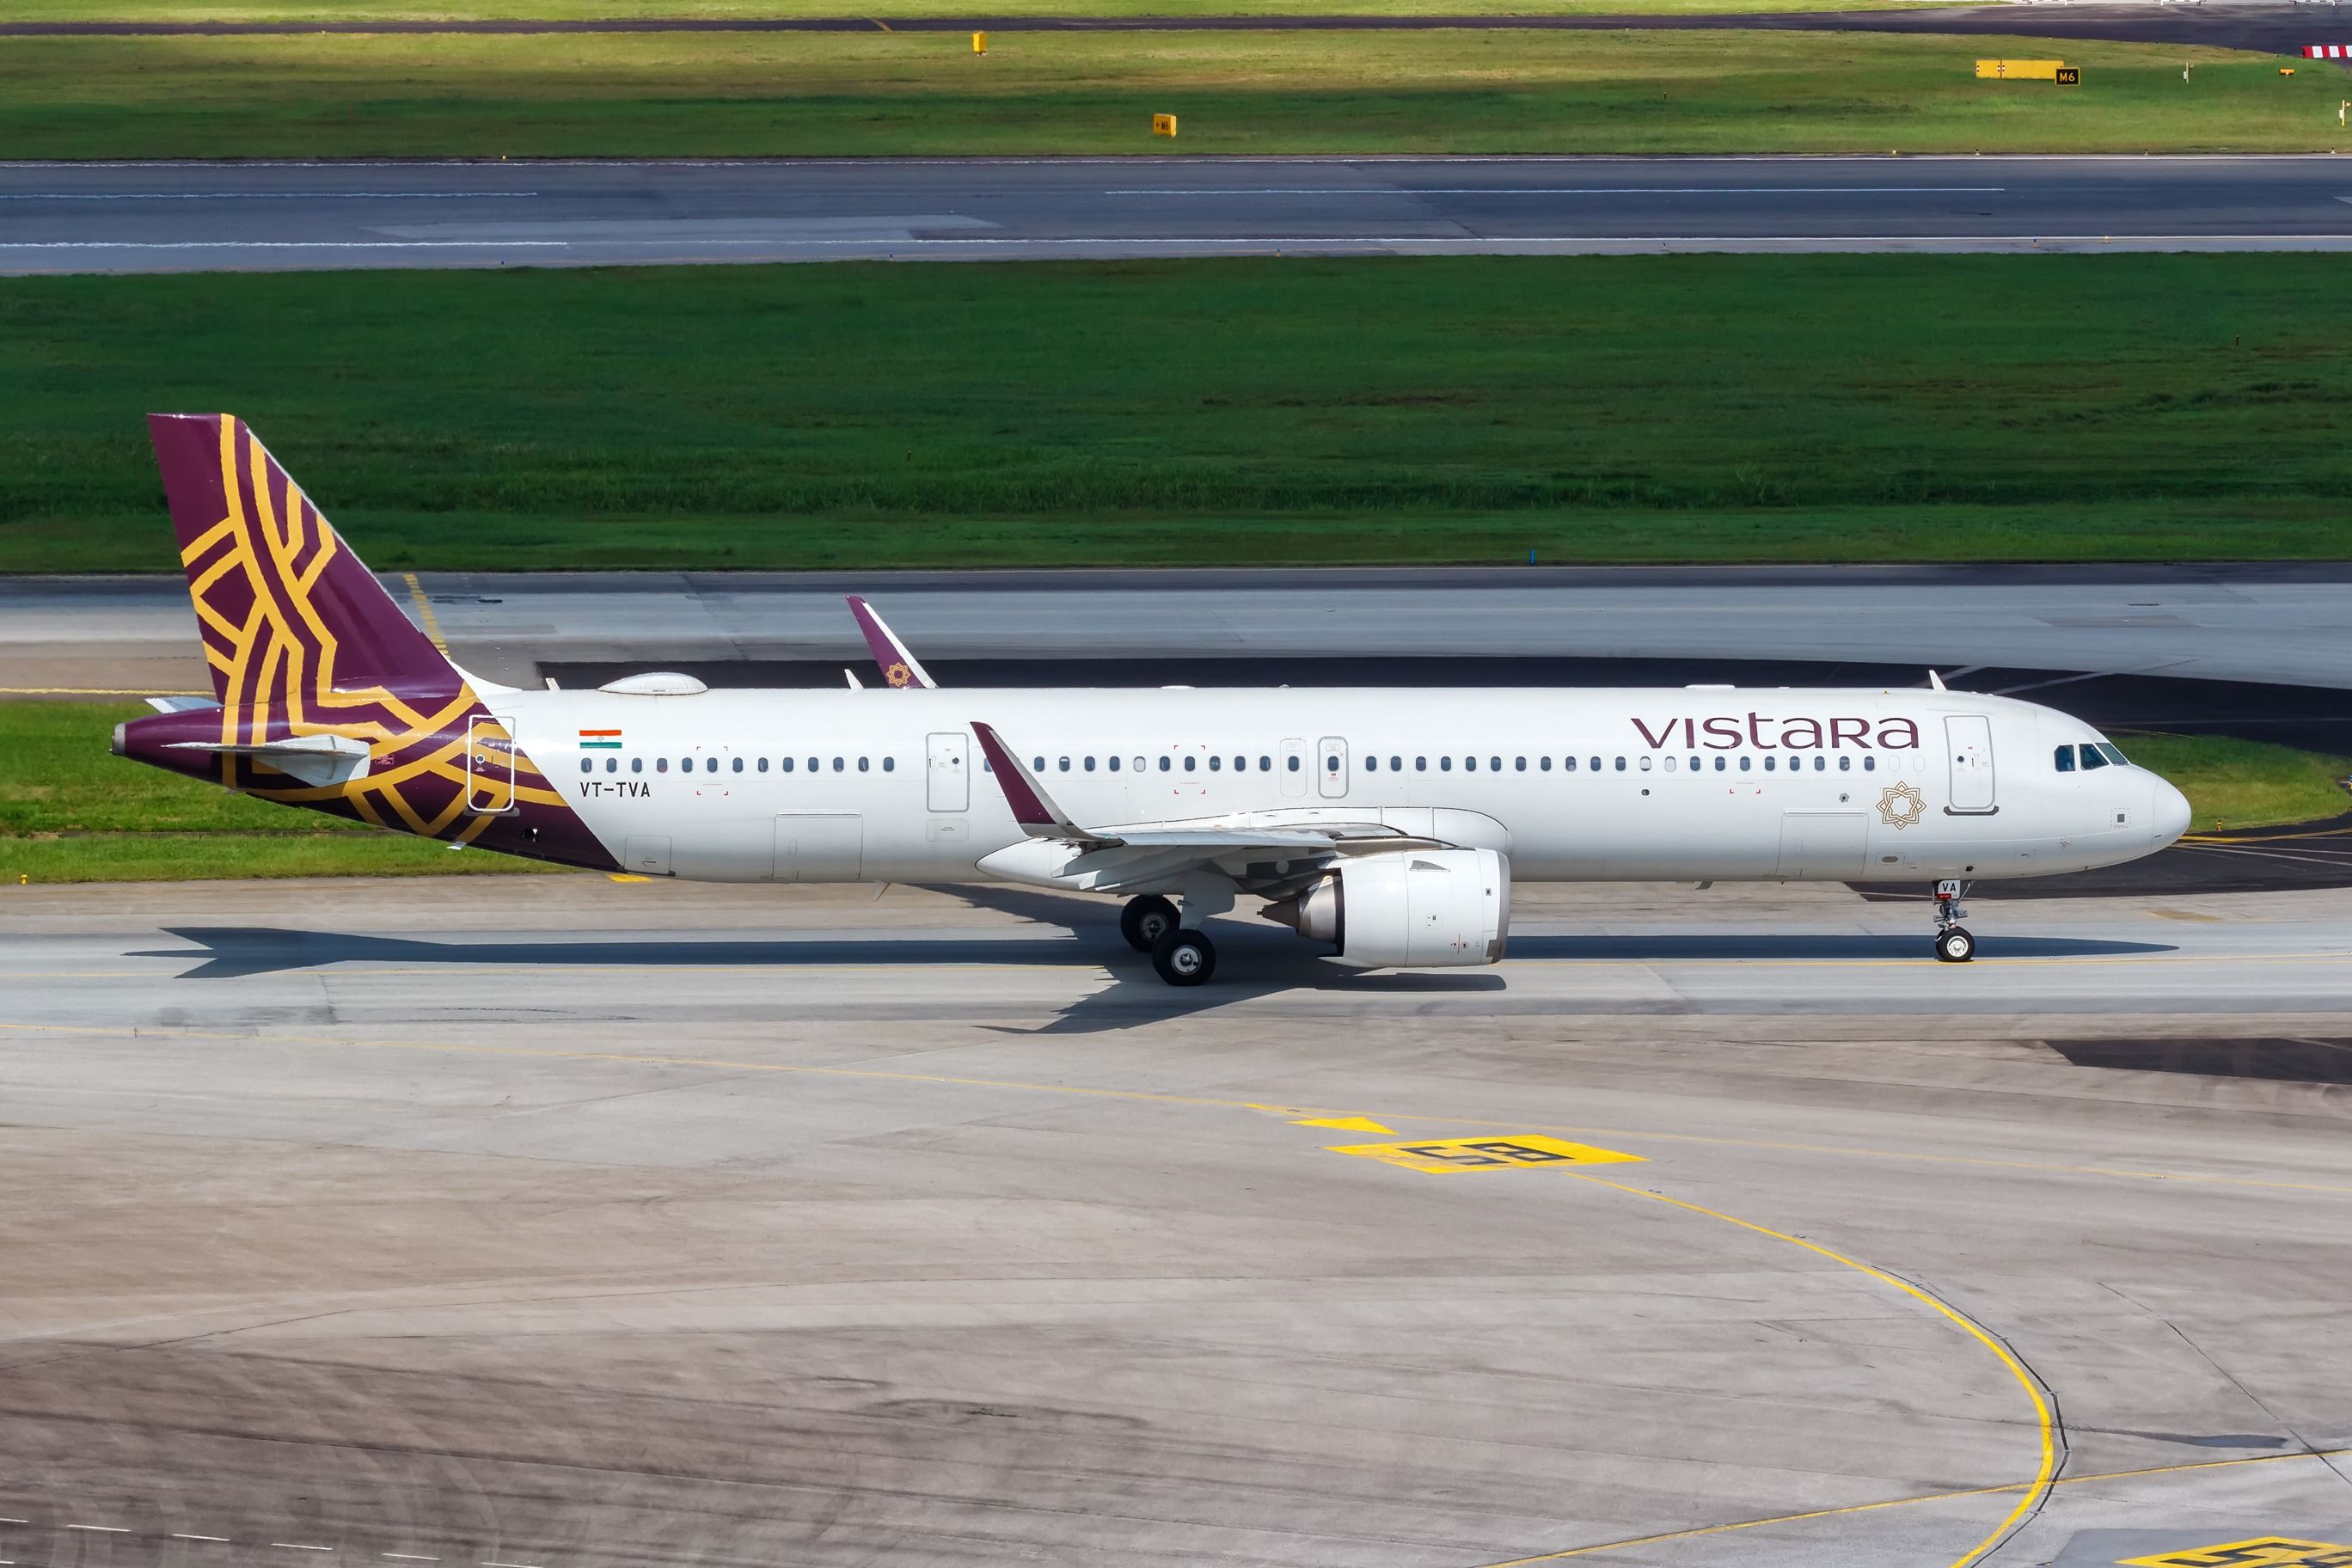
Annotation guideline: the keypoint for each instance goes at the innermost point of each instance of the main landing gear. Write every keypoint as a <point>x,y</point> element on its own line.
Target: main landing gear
<point>1150,924</point>
<point>1953,942</point>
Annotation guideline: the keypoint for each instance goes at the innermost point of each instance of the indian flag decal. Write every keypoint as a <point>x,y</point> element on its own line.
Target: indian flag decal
<point>600,739</point>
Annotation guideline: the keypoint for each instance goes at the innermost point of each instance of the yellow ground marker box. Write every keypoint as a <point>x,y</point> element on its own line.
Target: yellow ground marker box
<point>2020,71</point>
<point>1486,1151</point>
<point>980,43</point>
<point>1163,125</point>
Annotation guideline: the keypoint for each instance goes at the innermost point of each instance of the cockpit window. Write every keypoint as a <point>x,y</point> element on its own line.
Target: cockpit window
<point>2064,758</point>
<point>2092,758</point>
<point>2113,754</point>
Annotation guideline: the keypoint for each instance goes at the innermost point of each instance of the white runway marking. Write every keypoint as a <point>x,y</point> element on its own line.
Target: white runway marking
<point>1569,191</point>
<point>102,1529</point>
<point>223,1539</point>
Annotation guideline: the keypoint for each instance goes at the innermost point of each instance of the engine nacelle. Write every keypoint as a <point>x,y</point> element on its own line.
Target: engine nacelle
<point>1415,908</point>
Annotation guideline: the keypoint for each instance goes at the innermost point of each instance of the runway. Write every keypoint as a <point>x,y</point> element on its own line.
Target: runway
<point>2281,624</point>
<point>145,218</point>
<point>561,1222</point>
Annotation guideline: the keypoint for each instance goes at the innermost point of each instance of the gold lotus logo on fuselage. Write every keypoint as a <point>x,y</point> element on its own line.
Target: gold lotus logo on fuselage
<point>1901,805</point>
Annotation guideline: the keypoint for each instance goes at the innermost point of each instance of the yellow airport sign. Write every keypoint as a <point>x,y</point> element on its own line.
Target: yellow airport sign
<point>980,43</point>
<point>1163,125</point>
<point>2020,71</point>
<point>1514,1151</point>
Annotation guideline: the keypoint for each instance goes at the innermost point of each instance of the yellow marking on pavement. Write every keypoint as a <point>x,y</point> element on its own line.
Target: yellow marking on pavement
<point>2260,1552</point>
<point>1343,1124</point>
<point>1452,1156</point>
<point>625,877</point>
<point>424,615</point>
<point>1923,1499</point>
<point>2117,1173</point>
<point>2045,1420</point>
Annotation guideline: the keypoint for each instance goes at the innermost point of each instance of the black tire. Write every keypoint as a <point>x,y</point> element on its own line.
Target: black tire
<point>1184,958</point>
<point>1955,945</point>
<point>1145,920</point>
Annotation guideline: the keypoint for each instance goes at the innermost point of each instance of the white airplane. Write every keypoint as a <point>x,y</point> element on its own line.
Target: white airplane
<point>1387,825</point>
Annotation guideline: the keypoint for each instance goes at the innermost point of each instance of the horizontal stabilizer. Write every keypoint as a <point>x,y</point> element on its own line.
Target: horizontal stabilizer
<point>317,760</point>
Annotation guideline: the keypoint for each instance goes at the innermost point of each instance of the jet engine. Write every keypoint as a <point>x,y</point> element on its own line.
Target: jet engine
<point>1418,908</point>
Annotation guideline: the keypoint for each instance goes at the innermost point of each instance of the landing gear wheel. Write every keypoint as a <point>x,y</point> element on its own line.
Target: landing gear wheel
<point>1955,945</point>
<point>1145,920</point>
<point>1184,958</point>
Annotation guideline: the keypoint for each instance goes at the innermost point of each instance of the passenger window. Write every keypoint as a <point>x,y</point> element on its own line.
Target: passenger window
<point>1522,766</point>
<point>1293,764</point>
<point>1697,763</point>
<point>763,764</point>
<point>1037,764</point>
<point>1846,764</point>
<point>1722,763</point>
<point>1469,765</point>
<point>1621,764</point>
<point>738,764</point>
<point>1265,764</point>
<point>814,763</point>
<point>1396,764</point>
<point>1645,762</point>
<point>587,764</point>
<point>1544,763</point>
<point>2064,757</point>
<point>1371,764</point>
<point>1421,764</point>
<point>1112,762</point>
<point>1065,765</point>
<point>1568,764</point>
<point>1596,764</point>
<point>1870,764</point>
<point>612,765</point>
<point>661,765</point>
<point>1332,765</point>
<point>1670,765</point>
<point>1139,764</point>
<point>784,764</point>
<point>1240,765</point>
<point>1163,765</point>
<point>837,765</point>
<point>1188,763</point>
<point>861,765</point>
<point>1746,763</point>
<point>1821,764</point>
<point>1495,764</point>
<point>889,764</point>
<point>636,764</point>
<point>1090,765</point>
<point>2092,759</point>
<point>1446,765</point>
<point>1768,765</point>
<point>1216,765</point>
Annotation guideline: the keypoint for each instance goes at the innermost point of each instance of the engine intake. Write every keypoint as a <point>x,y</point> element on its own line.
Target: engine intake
<point>1417,909</point>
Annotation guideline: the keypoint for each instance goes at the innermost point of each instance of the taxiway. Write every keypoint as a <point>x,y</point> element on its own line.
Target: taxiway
<point>563,1222</point>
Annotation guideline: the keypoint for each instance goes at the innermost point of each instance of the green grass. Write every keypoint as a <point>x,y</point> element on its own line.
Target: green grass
<point>2244,783</point>
<point>71,812</point>
<point>927,94</point>
<point>1617,409</point>
<point>732,10</point>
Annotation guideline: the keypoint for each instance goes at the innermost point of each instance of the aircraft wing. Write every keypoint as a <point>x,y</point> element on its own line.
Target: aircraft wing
<point>1109,858</point>
<point>901,671</point>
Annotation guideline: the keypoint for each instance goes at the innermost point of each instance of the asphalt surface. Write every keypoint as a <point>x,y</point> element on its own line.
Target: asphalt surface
<point>2275,28</point>
<point>557,1222</point>
<point>141,217</point>
<point>2272,624</point>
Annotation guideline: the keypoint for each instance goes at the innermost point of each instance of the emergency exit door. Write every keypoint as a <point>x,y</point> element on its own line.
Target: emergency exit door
<point>1967,745</point>
<point>1331,766</point>
<point>947,776</point>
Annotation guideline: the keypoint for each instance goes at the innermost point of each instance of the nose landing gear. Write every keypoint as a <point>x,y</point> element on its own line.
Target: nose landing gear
<point>1953,942</point>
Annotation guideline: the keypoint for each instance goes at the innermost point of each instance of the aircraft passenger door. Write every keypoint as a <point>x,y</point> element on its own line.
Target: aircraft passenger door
<point>1294,767</point>
<point>947,779</point>
<point>490,765</point>
<point>1331,767</point>
<point>1968,743</point>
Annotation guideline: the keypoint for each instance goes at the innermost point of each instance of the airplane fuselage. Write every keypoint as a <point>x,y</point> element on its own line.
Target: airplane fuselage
<point>1599,784</point>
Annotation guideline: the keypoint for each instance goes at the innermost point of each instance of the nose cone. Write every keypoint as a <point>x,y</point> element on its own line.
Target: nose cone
<point>2168,812</point>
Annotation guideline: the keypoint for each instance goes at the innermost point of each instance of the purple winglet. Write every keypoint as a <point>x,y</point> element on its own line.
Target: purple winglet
<point>1038,815</point>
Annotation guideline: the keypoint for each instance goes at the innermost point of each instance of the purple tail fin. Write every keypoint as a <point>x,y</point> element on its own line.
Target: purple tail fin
<point>290,618</point>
